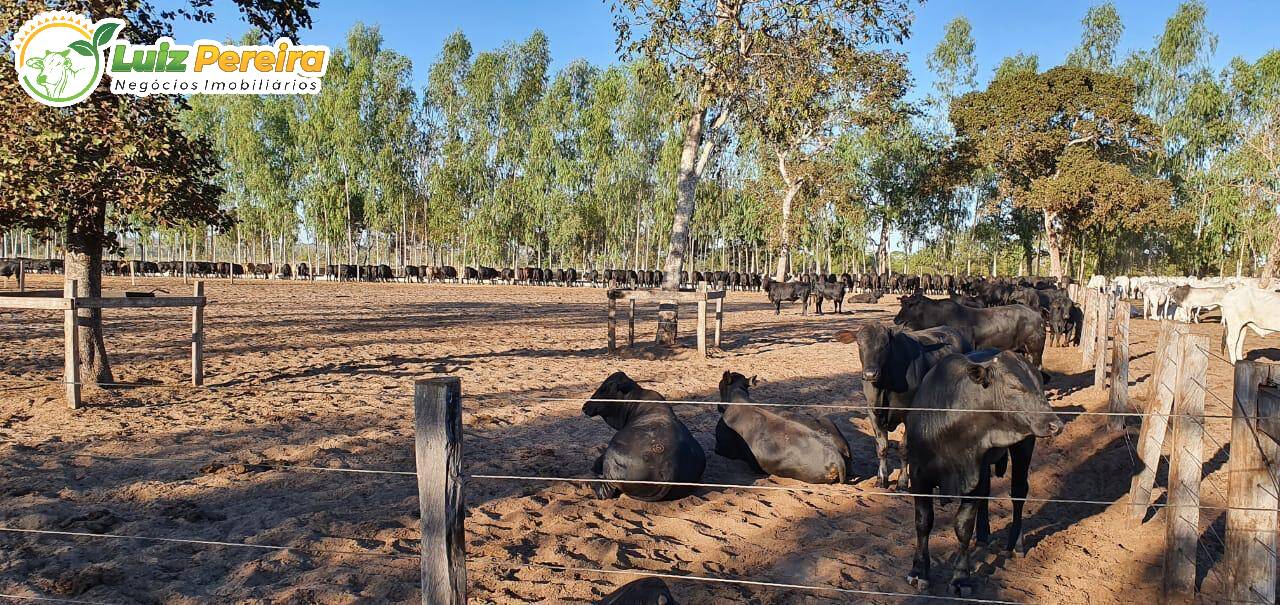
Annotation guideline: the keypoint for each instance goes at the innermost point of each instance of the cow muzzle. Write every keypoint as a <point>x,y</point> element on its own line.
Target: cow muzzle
<point>1047,426</point>
<point>871,375</point>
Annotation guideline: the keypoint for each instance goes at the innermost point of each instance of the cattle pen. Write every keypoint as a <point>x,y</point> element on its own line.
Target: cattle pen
<point>475,473</point>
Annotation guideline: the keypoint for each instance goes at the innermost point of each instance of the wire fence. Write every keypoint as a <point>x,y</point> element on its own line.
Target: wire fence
<point>1204,549</point>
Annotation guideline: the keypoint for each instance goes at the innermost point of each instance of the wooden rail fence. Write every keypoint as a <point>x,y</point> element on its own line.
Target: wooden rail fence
<point>702,296</point>
<point>68,300</point>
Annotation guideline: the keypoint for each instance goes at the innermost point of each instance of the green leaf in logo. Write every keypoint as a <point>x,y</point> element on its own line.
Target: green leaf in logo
<point>104,33</point>
<point>82,47</point>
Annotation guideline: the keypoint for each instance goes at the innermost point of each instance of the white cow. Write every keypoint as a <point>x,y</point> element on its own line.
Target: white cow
<point>1097,282</point>
<point>1192,300</point>
<point>1155,300</point>
<point>1252,308</point>
<point>1121,286</point>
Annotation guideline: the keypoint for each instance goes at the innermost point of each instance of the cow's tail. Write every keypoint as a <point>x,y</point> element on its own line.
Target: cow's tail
<point>1225,328</point>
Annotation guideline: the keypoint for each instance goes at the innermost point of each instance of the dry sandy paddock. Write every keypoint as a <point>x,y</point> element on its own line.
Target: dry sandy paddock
<point>322,376</point>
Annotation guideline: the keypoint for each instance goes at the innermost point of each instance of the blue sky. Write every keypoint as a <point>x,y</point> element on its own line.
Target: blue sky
<point>583,28</point>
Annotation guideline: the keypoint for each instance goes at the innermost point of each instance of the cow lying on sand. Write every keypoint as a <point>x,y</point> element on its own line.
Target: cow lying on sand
<point>952,450</point>
<point>894,363</point>
<point>795,446</point>
<point>645,591</point>
<point>866,298</point>
<point>651,444</point>
<point>1010,328</point>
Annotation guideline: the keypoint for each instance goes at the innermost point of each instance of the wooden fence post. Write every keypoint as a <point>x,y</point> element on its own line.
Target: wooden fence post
<point>702,326</point>
<point>197,337</point>
<point>719,319</point>
<point>1088,340</point>
<point>1151,436</point>
<point>631,322</point>
<point>437,424</point>
<point>71,344</point>
<point>1157,361</point>
<point>1118,395</point>
<point>1250,556</point>
<point>613,323</point>
<point>1100,344</point>
<point>1186,452</point>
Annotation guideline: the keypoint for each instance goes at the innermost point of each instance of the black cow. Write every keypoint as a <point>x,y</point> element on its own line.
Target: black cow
<point>651,444</point>
<point>829,290</point>
<point>790,292</point>
<point>869,297</point>
<point>645,591</point>
<point>795,446</point>
<point>894,363</point>
<point>966,300</point>
<point>953,448</point>
<point>411,273</point>
<point>1010,328</point>
<point>470,274</point>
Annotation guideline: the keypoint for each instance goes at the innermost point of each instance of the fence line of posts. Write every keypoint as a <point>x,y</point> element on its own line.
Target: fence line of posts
<point>1172,408</point>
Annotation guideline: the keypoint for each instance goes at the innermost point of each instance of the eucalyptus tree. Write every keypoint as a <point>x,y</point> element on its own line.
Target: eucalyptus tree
<point>444,108</point>
<point>714,49</point>
<point>1188,104</point>
<point>1101,29</point>
<point>804,96</point>
<point>1254,164</point>
<point>954,65</point>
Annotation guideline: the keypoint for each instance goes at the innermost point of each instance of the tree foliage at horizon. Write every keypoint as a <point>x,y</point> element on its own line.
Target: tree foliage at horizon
<point>498,160</point>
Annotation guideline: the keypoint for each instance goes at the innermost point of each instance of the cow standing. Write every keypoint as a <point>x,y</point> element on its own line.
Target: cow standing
<point>894,363</point>
<point>953,438</point>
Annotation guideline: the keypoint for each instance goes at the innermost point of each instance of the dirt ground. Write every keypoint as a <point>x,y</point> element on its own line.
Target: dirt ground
<point>320,375</point>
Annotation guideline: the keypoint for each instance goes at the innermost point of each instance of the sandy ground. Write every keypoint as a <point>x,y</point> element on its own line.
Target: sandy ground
<point>320,375</point>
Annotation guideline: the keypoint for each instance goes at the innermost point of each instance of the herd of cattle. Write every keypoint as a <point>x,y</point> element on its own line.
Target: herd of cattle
<point>961,374</point>
<point>959,379</point>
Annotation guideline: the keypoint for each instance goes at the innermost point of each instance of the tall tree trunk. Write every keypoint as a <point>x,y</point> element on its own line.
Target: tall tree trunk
<point>1054,246</point>
<point>83,262</point>
<point>1273,255</point>
<point>882,248</point>
<point>686,186</point>
<point>784,234</point>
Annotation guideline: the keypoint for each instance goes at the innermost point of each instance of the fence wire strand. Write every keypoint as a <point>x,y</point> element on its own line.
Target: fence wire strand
<point>43,599</point>
<point>218,543</point>
<point>833,488</point>
<point>269,465</point>
<point>204,387</point>
<point>756,583</point>
<point>867,407</point>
